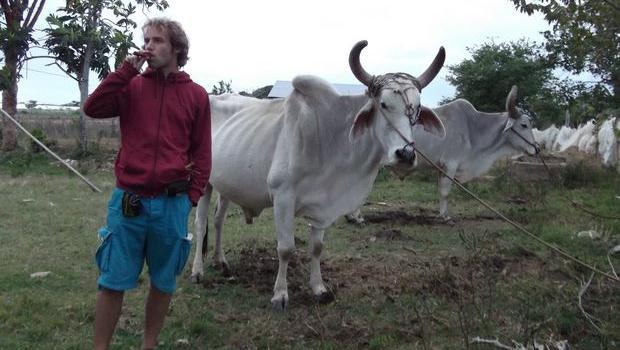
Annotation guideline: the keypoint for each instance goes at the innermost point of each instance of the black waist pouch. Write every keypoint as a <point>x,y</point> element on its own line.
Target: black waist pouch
<point>131,205</point>
<point>174,188</point>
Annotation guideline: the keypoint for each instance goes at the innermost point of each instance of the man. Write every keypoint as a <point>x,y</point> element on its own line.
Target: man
<point>161,169</point>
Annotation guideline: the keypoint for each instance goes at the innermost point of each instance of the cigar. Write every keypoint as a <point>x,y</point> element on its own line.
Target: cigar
<point>142,54</point>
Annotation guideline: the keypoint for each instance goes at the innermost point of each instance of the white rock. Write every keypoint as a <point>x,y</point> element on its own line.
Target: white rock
<point>589,234</point>
<point>182,341</point>
<point>40,274</point>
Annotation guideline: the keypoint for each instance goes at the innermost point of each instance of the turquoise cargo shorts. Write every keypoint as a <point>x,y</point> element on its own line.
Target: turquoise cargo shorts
<point>159,236</point>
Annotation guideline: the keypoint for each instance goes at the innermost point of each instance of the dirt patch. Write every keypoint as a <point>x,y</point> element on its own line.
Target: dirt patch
<point>402,217</point>
<point>455,277</point>
<point>257,268</point>
<point>406,288</point>
<point>389,235</point>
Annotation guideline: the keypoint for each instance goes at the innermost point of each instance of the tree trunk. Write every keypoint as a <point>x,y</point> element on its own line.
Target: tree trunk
<point>83,85</point>
<point>616,88</point>
<point>83,76</point>
<point>617,132</point>
<point>9,103</point>
<point>567,117</point>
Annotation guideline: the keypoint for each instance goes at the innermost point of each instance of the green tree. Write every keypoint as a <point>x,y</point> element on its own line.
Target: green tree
<point>82,36</point>
<point>261,93</point>
<point>222,87</point>
<point>31,104</point>
<point>584,37</point>
<point>486,78</point>
<point>15,40</point>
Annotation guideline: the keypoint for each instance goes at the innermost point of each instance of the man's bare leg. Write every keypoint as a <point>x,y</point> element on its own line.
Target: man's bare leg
<point>107,311</point>
<point>157,304</point>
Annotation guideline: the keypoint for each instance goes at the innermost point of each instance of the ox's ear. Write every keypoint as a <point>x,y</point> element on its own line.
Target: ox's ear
<point>431,122</point>
<point>509,124</point>
<point>362,120</point>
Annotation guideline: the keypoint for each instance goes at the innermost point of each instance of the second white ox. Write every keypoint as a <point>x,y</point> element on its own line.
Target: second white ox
<point>315,155</point>
<point>474,141</point>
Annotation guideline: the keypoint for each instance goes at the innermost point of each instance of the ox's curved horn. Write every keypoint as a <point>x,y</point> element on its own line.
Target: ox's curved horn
<point>356,66</point>
<point>432,70</point>
<point>511,102</point>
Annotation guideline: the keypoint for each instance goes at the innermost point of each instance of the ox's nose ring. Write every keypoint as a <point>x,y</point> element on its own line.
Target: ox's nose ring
<point>406,154</point>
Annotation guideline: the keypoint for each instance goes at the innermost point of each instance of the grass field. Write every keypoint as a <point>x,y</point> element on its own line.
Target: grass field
<point>403,281</point>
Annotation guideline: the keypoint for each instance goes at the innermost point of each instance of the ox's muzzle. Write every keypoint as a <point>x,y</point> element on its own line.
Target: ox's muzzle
<point>406,154</point>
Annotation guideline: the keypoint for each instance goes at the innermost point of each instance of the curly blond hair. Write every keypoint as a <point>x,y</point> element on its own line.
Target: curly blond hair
<point>178,38</point>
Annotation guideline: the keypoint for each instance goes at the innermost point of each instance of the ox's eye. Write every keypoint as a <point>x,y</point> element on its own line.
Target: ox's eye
<point>383,105</point>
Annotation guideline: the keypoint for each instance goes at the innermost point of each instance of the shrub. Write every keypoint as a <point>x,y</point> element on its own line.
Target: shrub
<point>581,174</point>
<point>16,162</point>
<point>39,134</point>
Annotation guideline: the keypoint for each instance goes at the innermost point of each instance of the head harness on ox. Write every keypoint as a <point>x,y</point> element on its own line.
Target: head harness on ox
<point>377,83</point>
<point>380,82</point>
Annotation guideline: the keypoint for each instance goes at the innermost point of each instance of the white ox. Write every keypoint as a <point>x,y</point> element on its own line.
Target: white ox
<point>315,155</point>
<point>226,105</point>
<point>583,139</point>
<point>563,138</point>
<point>474,141</point>
<point>608,142</point>
<point>586,139</point>
<point>546,138</point>
<point>222,108</point>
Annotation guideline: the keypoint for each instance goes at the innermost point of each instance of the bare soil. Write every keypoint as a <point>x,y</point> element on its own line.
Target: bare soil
<point>257,266</point>
<point>426,217</point>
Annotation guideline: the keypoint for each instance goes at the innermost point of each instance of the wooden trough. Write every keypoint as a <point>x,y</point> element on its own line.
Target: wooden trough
<point>531,168</point>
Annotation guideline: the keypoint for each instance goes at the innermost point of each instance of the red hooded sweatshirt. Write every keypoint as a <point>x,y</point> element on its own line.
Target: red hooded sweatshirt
<point>165,125</point>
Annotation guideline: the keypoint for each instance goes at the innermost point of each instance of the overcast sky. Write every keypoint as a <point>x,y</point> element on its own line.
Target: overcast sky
<point>255,43</point>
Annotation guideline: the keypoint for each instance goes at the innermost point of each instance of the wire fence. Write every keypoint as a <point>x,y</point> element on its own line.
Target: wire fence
<point>62,125</point>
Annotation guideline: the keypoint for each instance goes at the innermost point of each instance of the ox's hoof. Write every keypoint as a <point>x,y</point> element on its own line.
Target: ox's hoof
<point>224,268</point>
<point>325,297</point>
<point>355,221</point>
<point>446,219</point>
<point>196,278</point>
<point>279,304</point>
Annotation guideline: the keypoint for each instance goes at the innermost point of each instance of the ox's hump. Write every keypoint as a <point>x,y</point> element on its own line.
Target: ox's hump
<point>313,87</point>
<point>463,103</point>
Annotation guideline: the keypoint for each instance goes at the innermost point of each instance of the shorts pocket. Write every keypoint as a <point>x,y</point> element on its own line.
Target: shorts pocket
<point>103,251</point>
<point>186,244</point>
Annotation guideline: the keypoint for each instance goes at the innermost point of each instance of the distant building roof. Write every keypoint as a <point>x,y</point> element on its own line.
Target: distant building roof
<point>283,88</point>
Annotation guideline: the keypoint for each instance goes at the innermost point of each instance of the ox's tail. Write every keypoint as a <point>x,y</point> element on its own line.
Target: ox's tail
<point>204,247</point>
<point>205,241</point>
